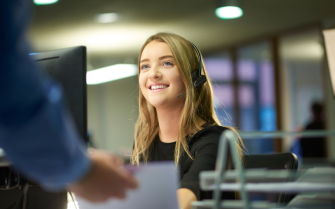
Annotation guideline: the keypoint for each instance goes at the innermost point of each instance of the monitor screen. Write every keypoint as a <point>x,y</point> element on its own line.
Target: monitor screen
<point>330,49</point>
<point>68,67</point>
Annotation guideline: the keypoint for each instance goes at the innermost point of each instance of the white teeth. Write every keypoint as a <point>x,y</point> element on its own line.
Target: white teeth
<point>158,87</point>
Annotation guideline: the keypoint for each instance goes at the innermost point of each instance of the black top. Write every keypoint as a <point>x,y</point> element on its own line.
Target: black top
<point>203,148</point>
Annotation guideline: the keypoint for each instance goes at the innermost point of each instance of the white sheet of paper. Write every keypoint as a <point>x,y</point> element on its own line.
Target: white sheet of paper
<point>158,183</point>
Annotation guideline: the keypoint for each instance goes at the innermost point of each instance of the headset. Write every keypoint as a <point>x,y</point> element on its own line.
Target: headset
<point>197,79</point>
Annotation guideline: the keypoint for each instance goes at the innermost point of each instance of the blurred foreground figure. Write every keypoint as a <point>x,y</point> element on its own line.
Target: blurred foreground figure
<point>314,147</point>
<point>36,131</point>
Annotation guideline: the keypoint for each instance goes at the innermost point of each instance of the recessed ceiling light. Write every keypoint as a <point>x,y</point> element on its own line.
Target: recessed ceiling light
<point>106,17</point>
<point>229,9</point>
<point>229,12</point>
<point>44,2</point>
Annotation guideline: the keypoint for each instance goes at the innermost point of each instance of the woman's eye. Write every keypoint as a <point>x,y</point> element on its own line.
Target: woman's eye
<point>166,63</point>
<point>143,67</point>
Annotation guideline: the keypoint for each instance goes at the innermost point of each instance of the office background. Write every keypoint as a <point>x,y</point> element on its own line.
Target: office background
<point>268,66</point>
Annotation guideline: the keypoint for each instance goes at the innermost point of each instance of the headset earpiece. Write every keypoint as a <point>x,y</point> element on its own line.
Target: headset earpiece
<point>200,81</point>
<point>197,79</point>
<point>195,76</point>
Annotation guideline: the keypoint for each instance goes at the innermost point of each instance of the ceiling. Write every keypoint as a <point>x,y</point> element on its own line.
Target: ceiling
<point>70,23</point>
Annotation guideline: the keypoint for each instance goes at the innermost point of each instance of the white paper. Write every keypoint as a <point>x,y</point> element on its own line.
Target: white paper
<point>158,183</point>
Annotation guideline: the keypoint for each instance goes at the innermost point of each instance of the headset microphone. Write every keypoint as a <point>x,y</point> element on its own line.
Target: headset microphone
<point>181,94</point>
<point>197,79</point>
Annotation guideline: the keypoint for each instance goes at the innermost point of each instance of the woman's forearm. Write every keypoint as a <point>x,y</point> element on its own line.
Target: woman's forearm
<point>185,197</point>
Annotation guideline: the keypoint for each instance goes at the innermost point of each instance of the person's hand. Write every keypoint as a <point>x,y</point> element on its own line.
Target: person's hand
<point>106,179</point>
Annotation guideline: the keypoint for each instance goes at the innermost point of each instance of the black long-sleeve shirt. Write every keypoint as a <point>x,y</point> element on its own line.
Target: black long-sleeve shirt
<point>203,148</point>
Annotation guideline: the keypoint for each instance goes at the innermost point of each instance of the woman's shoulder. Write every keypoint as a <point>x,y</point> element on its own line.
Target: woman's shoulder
<point>210,134</point>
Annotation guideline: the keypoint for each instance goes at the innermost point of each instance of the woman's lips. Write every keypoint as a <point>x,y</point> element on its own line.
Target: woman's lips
<point>157,90</point>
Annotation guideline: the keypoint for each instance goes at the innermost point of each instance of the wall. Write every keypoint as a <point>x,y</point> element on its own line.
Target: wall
<point>112,113</point>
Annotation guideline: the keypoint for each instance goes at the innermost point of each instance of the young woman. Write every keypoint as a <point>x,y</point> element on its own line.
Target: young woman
<point>172,124</point>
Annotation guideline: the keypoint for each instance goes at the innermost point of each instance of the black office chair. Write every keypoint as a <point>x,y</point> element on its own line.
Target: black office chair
<point>274,162</point>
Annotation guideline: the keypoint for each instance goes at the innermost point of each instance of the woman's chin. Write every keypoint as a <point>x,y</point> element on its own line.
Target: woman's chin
<point>158,104</point>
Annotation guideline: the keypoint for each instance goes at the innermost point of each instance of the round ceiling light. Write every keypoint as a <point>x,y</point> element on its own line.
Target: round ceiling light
<point>229,12</point>
<point>106,17</point>
<point>44,2</point>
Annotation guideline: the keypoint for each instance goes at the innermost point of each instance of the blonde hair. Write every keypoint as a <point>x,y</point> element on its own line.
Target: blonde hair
<point>198,105</point>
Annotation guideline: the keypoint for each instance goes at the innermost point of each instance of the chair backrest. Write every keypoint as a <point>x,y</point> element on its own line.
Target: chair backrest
<point>274,162</point>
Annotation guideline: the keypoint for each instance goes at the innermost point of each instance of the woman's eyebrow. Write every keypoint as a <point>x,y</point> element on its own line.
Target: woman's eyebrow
<point>166,56</point>
<point>162,57</point>
<point>144,60</point>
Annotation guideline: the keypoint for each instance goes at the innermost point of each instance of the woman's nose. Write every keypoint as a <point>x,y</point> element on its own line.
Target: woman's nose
<point>155,73</point>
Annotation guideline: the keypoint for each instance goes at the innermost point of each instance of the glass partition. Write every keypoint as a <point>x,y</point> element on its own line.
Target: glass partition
<point>220,70</point>
<point>302,102</point>
<point>256,95</point>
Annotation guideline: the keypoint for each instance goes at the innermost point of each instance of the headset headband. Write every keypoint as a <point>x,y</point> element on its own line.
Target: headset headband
<point>197,78</point>
<point>199,58</point>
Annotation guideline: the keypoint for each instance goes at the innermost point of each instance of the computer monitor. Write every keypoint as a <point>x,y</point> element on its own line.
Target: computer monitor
<point>68,67</point>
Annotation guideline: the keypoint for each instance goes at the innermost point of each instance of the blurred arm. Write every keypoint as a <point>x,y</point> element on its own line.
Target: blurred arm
<point>36,131</point>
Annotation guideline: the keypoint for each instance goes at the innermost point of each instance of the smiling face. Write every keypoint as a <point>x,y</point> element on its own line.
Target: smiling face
<point>159,78</point>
